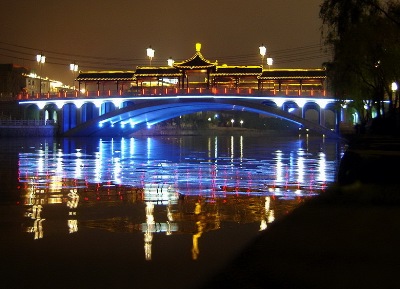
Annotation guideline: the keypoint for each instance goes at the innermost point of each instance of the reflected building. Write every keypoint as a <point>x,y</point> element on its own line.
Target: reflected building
<point>152,195</point>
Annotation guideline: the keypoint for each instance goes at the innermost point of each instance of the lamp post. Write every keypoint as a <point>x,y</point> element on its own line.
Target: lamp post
<point>41,59</point>
<point>263,51</point>
<point>394,90</point>
<point>74,68</point>
<point>241,123</point>
<point>150,53</point>
<point>232,121</point>
<point>269,62</point>
<point>170,62</point>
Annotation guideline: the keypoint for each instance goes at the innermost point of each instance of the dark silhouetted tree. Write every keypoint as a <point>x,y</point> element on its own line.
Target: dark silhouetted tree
<point>365,38</point>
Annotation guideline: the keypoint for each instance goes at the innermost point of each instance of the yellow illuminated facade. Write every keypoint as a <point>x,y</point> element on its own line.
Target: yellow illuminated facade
<point>200,73</point>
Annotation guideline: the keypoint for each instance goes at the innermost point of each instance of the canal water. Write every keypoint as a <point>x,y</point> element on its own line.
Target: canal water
<point>147,212</point>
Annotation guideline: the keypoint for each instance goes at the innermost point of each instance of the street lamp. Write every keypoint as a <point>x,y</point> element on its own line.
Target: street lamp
<point>241,123</point>
<point>170,62</point>
<point>41,59</point>
<point>74,68</point>
<point>263,51</point>
<point>232,121</point>
<point>150,53</point>
<point>269,61</point>
<point>394,86</point>
<point>394,89</point>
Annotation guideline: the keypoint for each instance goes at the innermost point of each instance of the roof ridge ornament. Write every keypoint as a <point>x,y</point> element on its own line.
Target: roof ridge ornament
<point>198,47</point>
<point>197,61</point>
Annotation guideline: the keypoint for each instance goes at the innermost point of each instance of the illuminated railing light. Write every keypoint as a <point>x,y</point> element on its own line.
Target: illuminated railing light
<point>300,102</point>
<point>117,102</point>
<point>41,104</point>
<point>279,101</point>
<point>322,103</point>
<point>79,102</point>
<point>97,103</point>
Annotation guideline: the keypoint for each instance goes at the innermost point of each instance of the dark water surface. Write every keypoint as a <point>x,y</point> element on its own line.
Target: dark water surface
<point>146,212</point>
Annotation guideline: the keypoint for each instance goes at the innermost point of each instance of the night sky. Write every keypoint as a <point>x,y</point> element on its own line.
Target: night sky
<point>114,35</point>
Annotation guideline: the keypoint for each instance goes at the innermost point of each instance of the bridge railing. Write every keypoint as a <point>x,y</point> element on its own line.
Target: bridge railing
<point>168,91</point>
<point>25,122</point>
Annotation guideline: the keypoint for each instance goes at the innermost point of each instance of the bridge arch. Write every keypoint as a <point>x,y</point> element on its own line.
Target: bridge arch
<point>133,117</point>
<point>290,106</point>
<point>270,103</point>
<point>127,103</point>
<point>69,116</point>
<point>332,115</point>
<point>32,112</point>
<point>107,107</point>
<point>50,112</point>
<point>312,112</point>
<point>88,111</point>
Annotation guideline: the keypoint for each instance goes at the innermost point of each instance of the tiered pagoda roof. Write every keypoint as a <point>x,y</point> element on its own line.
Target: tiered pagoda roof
<point>197,61</point>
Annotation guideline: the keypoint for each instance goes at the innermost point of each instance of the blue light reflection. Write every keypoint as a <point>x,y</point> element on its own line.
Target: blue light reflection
<point>228,164</point>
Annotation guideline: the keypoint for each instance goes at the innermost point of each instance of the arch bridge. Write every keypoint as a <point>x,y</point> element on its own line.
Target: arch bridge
<point>114,114</point>
<point>124,102</point>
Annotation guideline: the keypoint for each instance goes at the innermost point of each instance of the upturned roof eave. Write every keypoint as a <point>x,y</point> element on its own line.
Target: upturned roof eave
<point>197,61</point>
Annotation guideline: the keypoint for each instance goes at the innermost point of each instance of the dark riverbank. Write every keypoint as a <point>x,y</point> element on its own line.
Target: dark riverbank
<point>28,131</point>
<point>170,131</point>
<point>347,237</point>
<point>10,129</point>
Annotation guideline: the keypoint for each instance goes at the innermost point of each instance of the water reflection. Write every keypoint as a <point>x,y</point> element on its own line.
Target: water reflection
<point>182,185</point>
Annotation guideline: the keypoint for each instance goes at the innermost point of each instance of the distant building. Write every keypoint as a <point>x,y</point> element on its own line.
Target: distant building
<point>17,80</point>
<point>33,83</point>
<point>12,80</point>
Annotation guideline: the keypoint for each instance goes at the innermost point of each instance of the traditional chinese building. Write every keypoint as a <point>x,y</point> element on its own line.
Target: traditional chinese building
<point>200,73</point>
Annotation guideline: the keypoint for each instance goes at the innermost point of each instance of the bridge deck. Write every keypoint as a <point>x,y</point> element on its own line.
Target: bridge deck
<point>167,91</point>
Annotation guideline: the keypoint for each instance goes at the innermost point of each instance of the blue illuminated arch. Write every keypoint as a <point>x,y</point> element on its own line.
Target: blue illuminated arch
<point>129,119</point>
<point>69,114</point>
<point>89,111</point>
